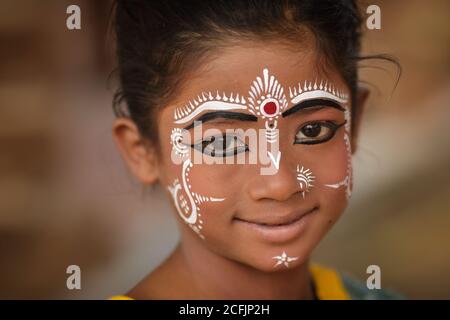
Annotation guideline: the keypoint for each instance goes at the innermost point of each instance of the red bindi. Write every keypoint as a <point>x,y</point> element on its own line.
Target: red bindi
<point>270,108</point>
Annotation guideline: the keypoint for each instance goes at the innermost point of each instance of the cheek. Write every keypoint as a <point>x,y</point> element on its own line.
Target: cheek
<point>330,164</point>
<point>334,162</point>
<point>333,171</point>
<point>209,184</point>
<point>199,193</point>
<point>210,179</point>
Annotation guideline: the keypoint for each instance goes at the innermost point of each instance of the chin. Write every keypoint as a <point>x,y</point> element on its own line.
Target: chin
<point>276,261</point>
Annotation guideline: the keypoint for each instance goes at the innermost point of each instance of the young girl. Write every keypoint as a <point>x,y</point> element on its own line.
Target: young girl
<point>247,113</point>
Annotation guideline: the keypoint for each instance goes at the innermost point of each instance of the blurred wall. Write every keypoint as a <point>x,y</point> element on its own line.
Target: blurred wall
<point>67,198</point>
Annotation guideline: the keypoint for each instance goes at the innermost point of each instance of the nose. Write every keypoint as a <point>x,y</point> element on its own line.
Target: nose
<point>280,186</point>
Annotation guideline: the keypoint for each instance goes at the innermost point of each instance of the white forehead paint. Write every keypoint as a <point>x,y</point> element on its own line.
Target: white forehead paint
<point>266,97</point>
<point>283,259</point>
<point>208,101</point>
<point>305,179</point>
<point>267,100</point>
<point>310,90</point>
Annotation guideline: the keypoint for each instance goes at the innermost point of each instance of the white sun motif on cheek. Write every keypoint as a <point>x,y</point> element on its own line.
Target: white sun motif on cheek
<point>326,91</point>
<point>187,202</point>
<point>305,179</point>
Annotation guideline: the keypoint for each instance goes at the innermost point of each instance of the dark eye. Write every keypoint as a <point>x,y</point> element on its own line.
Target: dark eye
<point>315,132</point>
<point>221,146</point>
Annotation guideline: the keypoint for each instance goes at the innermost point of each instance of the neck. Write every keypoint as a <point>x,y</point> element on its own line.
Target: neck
<point>217,277</point>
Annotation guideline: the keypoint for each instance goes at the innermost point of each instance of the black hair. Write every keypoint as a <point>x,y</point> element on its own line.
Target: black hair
<point>159,41</point>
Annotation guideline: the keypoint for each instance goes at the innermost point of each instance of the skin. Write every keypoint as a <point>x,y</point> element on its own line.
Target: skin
<point>234,262</point>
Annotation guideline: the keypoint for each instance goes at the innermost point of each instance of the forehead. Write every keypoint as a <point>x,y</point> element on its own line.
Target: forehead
<point>233,68</point>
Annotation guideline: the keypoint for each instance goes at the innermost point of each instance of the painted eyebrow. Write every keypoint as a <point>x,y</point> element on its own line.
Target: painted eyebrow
<point>222,115</point>
<point>187,114</point>
<point>312,103</point>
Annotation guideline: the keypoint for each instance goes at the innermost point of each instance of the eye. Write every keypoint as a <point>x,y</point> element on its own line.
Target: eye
<point>221,146</point>
<point>315,132</point>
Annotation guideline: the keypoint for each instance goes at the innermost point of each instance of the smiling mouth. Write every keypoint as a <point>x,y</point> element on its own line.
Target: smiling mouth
<point>274,224</point>
<point>278,229</point>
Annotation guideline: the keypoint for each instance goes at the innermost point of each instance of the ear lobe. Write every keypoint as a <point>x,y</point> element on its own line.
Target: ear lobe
<point>357,114</point>
<point>140,157</point>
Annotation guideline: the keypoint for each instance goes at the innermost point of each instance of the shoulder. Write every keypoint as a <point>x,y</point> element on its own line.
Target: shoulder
<point>332,285</point>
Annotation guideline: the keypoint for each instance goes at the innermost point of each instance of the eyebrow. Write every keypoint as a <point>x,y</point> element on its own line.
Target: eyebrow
<point>188,113</point>
<point>222,115</point>
<point>312,103</point>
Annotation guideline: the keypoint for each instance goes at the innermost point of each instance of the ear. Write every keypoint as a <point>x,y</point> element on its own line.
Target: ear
<point>138,154</point>
<point>357,114</point>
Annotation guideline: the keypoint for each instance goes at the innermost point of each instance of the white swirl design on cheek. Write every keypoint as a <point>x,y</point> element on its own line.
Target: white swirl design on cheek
<point>176,139</point>
<point>184,201</point>
<point>305,179</point>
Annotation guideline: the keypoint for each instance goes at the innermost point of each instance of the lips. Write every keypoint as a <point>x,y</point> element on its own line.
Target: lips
<point>277,229</point>
<point>272,220</point>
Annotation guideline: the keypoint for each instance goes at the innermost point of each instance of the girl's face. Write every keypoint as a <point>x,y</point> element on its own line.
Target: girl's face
<point>267,213</point>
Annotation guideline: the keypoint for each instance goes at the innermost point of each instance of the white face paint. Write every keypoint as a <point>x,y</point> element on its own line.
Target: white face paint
<point>208,102</point>
<point>310,90</point>
<point>305,179</point>
<point>328,91</point>
<point>186,201</point>
<point>346,182</point>
<point>283,259</point>
<point>176,139</point>
<point>267,100</point>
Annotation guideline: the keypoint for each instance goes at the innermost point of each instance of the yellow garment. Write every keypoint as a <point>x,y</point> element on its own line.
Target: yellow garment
<point>120,298</point>
<point>327,281</point>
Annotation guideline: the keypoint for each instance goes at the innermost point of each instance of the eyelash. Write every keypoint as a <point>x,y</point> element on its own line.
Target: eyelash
<point>239,146</point>
<point>226,139</point>
<point>330,125</point>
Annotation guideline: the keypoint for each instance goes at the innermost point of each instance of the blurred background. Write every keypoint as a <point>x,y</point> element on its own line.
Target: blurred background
<point>66,196</point>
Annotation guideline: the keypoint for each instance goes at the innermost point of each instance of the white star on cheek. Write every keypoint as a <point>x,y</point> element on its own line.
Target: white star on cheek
<point>283,259</point>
